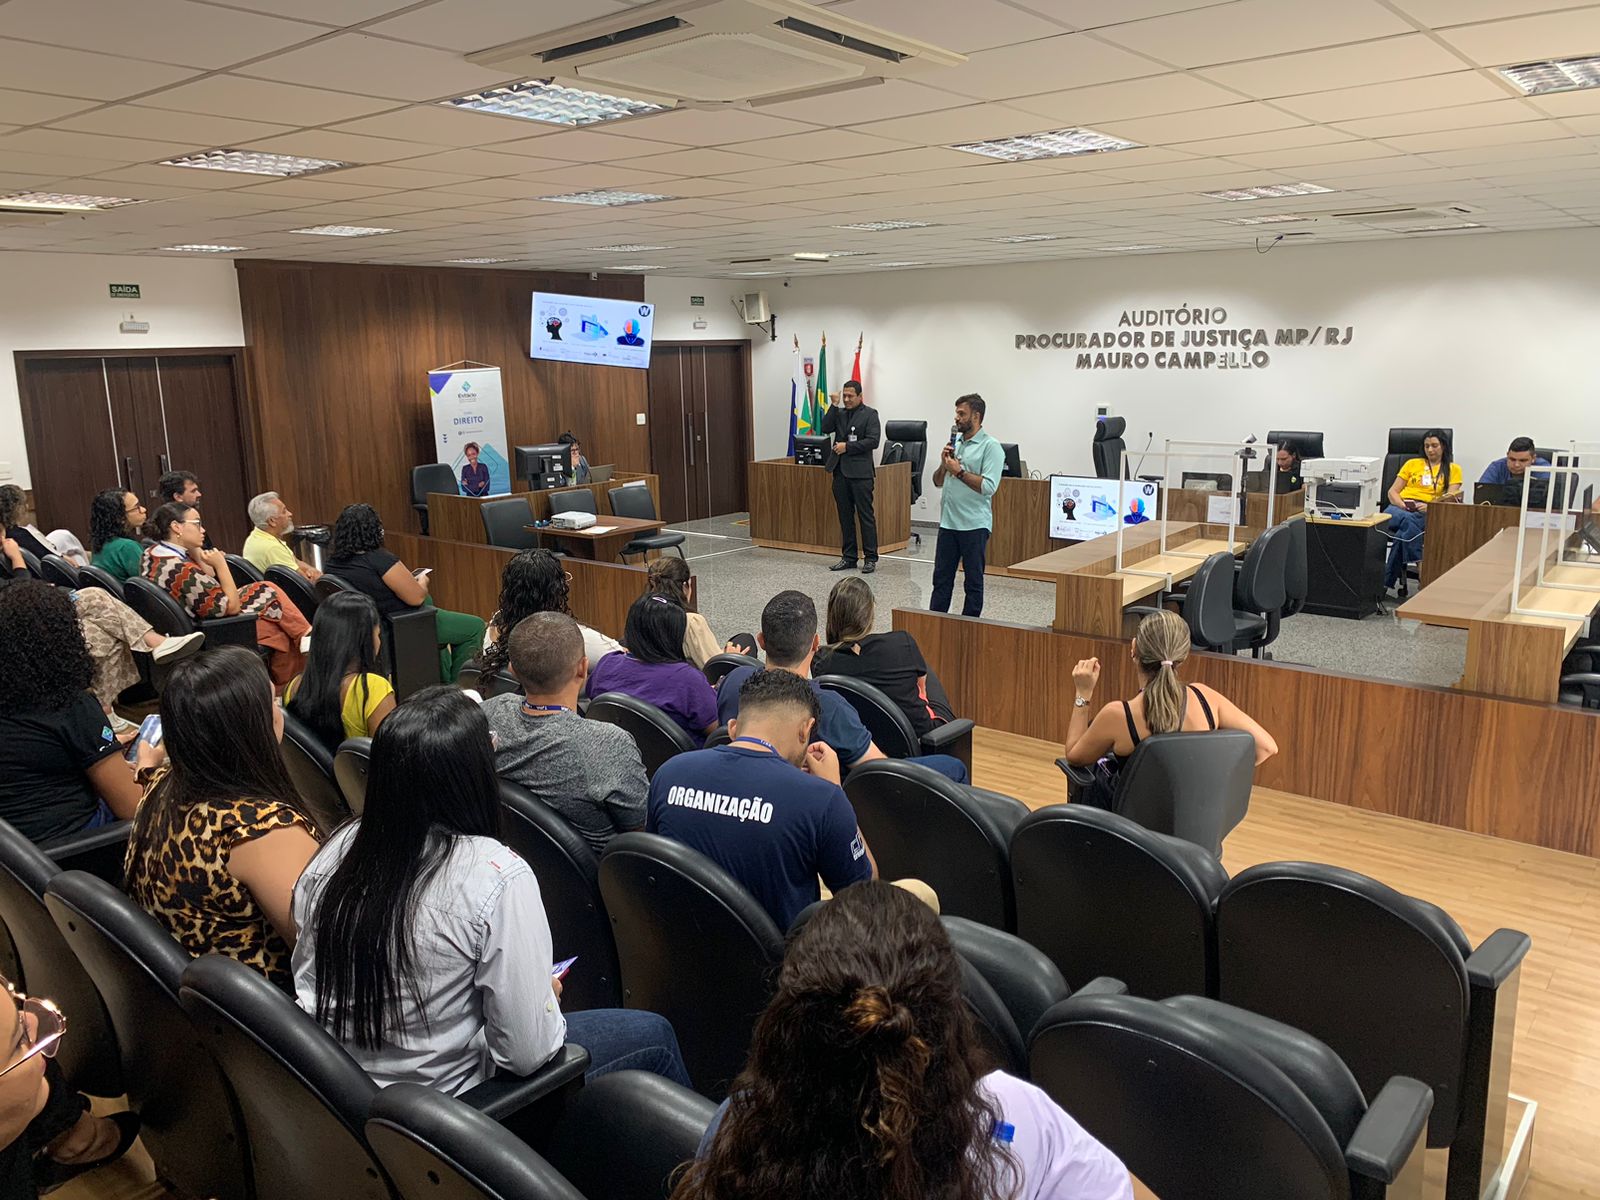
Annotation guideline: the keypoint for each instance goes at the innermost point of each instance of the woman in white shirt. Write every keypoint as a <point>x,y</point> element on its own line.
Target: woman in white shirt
<point>423,943</point>
<point>866,1081</point>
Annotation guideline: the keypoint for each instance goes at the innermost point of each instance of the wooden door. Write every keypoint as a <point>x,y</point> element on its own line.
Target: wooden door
<point>700,427</point>
<point>671,411</point>
<point>71,430</point>
<point>724,424</point>
<point>198,401</point>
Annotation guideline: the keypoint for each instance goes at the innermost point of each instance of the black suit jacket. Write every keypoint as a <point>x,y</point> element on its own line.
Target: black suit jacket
<point>838,423</point>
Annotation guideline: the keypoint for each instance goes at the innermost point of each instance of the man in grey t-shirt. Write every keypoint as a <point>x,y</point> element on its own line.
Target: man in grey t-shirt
<point>588,771</point>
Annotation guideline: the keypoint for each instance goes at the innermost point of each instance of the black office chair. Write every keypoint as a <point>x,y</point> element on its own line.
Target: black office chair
<point>1101,895</point>
<point>430,477</point>
<point>912,436</point>
<point>922,825</point>
<point>409,644</point>
<point>1580,676</point>
<point>1387,980</point>
<point>1208,604</point>
<point>719,666</point>
<point>165,615</point>
<point>657,735</point>
<point>1194,786</point>
<point>293,586</point>
<point>243,570</point>
<point>505,523</point>
<point>636,502</point>
<point>1305,442</point>
<point>1109,448</point>
<point>625,1135</point>
<point>310,766</point>
<point>891,731</point>
<point>99,577</point>
<point>1260,590</point>
<point>580,500</point>
<point>173,1083</point>
<point>683,924</point>
<point>569,882</point>
<point>1296,578</point>
<point>31,561</point>
<point>893,452</point>
<point>1208,1103</point>
<point>352,763</point>
<point>57,570</point>
<point>1405,443</point>
<point>89,1057</point>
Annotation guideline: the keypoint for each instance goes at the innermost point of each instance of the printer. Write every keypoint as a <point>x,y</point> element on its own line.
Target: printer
<point>1345,487</point>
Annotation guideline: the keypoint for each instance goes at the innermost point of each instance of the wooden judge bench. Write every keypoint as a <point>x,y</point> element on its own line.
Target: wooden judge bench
<point>459,519</point>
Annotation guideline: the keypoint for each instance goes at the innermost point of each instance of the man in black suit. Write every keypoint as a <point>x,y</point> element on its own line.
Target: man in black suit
<point>856,432</point>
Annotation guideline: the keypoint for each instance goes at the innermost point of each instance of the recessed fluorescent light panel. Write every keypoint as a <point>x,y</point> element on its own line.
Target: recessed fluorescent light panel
<point>477,262</point>
<point>62,200</point>
<point>1027,237</point>
<point>810,256</point>
<point>1555,75</point>
<point>637,267</point>
<point>1269,191</point>
<point>629,249</point>
<point>542,100</point>
<point>200,248</point>
<point>606,198</point>
<point>1443,228</point>
<point>885,226</point>
<point>1268,219</point>
<point>256,162</point>
<point>342,230</point>
<point>1060,143</point>
<point>1126,249</point>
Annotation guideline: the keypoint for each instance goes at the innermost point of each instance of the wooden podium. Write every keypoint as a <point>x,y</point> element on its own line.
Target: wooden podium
<point>792,508</point>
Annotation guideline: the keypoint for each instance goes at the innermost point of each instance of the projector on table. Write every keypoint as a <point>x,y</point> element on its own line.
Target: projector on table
<point>572,520</point>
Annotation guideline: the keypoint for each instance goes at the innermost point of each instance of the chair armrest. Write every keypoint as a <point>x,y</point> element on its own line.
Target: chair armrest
<point>238,630</point>
<point>1079,776</point>
<point>504,1096</point>
<point>1103,985</point>
<point>626,1134</point>
<point>1387,1136</point>
<point>1497,958</point>
<point>953,738</point>
<point>98,852</point>
<point>413,650</point>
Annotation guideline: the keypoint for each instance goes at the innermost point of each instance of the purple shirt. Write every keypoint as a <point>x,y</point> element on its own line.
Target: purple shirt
<point>678,689</point>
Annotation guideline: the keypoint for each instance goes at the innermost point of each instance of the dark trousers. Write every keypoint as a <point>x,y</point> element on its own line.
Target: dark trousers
<point>854,499</point>
<point>966,546</point>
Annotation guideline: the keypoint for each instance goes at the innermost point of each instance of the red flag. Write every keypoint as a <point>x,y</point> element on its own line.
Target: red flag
<point>855,371</point>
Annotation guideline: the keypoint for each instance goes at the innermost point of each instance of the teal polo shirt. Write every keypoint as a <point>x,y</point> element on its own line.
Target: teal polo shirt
<point>962,507</point>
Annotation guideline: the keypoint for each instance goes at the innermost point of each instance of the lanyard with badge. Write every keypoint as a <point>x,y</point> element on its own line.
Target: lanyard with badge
<point>747,738</point>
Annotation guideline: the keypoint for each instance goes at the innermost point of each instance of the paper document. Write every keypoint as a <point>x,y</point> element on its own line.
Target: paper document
<point>1221,510</point>
<point>595,529</point>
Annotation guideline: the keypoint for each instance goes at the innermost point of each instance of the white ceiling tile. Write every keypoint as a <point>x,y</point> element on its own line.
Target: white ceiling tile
<point>1489,135</point>
<point>169,31</point>
<point>440,124</point>
<point>1520,39</point>
<point>1568,104</point>
<point>482,163</point>
<point>1405,57</point>
<point>1440,13</point>
<point>586,145</point>
<point>973,123</point>
<point>90,145</point>
<point>575,177</point>
<point>201,130</point>
<point>1381,99</point>
<point>799,175</point>
<point>875,102</point>
<point>1260,143</point>
<point>30,67</point>
<point>713,127</point>
<point>1089,14</point>
<point>1461,116</point>
<point>1584,126</point>
<point>344,147</point>
<point>698,162</point>
<point>208,181</point>
<point>1513,157</point>
<point>1046,65</point>
<point>966,27</point>
<point>1194,125</point>
<point>824,145</point>
<point>236,96</point>
<point>376,67</point>
<point>467,25</point>
<point>923,158</point>
<point>1254,29</point>
<point>315,188</point>
<point>28,108</point>
<point>1306,158</point>
<point>1148,97</point>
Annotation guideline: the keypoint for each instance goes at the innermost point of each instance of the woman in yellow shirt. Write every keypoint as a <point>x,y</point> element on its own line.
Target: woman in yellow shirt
<point>1432,479</point>
<point>341,693</point>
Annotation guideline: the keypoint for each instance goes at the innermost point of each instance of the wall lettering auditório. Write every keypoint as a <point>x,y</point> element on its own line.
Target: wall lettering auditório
<point>1184,338</point>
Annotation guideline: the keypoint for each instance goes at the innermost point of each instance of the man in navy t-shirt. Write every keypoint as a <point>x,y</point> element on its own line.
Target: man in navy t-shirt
<point>767,808</point>
<point>789,637</point>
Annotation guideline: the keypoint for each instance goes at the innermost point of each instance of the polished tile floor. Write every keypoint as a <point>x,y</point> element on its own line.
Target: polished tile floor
<point>736,579</point>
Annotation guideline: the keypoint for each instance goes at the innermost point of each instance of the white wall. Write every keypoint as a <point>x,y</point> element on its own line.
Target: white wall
<point>1494,334</point>
<point>675,315</point>
<point>62,302</point>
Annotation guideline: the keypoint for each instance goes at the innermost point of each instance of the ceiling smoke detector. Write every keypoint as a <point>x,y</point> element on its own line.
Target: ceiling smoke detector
<point>716,51</point>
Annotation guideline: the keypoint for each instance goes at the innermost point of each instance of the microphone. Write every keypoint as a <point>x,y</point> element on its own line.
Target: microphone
<point>1245,452</point>
<point>955,435</point>
<point>1148,439</point>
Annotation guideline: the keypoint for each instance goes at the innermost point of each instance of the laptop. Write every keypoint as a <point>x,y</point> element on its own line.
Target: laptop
<point>602,474</point>
<point>1510,494</point>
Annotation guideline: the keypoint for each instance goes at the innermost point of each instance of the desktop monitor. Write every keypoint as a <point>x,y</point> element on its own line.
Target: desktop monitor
<point>1082,508</point>
<point>1013,467</point>
<point>548,465</point>
<point>811,451</point>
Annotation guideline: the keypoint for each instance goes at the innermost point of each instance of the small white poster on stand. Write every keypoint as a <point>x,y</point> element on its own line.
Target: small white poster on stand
<point>469,427</point>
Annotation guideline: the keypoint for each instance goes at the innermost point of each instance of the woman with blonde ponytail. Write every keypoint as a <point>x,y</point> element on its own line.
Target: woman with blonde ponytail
<point>866,1081</point>
<point>1160,647</point>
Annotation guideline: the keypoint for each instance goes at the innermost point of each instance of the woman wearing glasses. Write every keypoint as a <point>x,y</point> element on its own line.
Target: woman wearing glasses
<point>201,582</point>
<point>116,522</point>
<point>47,1135</point>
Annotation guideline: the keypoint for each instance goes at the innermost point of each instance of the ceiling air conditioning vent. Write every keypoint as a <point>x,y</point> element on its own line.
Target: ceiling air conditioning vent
<point>32,218</point>
<point>1405,218</point>
<point>717,51</point>
<point>743,262</point>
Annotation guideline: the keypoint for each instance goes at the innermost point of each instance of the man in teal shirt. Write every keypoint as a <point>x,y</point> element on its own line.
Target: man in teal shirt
<point>968,473</point>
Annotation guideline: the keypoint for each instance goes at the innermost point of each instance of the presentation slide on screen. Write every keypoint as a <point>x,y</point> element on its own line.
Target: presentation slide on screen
<point>1083,508</point>
<point>585,329</point>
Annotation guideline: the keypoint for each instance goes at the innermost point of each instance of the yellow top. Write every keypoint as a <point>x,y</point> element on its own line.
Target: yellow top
<point>1418,483</point>
<point>354,713</point>
<point>262,550</point>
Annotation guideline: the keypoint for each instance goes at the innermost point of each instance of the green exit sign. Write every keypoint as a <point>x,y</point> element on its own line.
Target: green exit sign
<point>124,291</point>
<point>697,301</point>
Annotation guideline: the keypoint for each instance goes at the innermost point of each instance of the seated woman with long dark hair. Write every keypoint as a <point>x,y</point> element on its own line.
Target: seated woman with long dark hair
<point>61,769</point>
<point>342,693</point>
<point>669,576</point>
<point>654,668</point>
<point>202,583</point>
<point>891,662</point>
<point>116,523</point>
<point>221,838</point>
<point>866,1081</point>
<point>360,559</point>
<point>1433,477</point>
<point>532,582</point>
<point>424,946</point>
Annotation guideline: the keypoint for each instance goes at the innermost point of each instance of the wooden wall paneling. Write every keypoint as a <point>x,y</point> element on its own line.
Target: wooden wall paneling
<point>792,508</point>
<point>1021,529</point>
<point>199,428</point>
<point>69,439</point>
<point>1455,531</point>
<point>1433,754</point>
<point>1516,660</point>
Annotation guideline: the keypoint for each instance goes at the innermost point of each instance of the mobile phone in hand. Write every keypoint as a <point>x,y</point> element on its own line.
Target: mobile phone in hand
<point>149,733</point>
<point>559,971</point>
